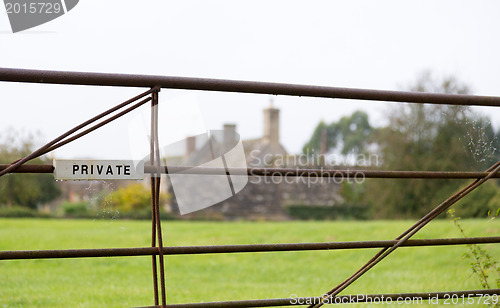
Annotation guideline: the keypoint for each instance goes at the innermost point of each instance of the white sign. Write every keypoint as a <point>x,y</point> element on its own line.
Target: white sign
<point>98,170</point>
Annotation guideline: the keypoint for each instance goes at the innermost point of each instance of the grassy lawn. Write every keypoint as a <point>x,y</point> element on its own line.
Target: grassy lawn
<point>127,281</point>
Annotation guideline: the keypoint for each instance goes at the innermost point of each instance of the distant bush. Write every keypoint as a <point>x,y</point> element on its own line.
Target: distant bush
<point>85,210</point>
<point>80,210</point>
<point>77,210</point>
<point>21,211</point>
<point>132,198</point>
<point>145,214</point>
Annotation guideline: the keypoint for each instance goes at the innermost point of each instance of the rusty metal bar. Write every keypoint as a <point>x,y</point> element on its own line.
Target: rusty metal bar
<point>336,173</point>
<point>153,245</point>
<point>156,192</point>
<point>194,250</point>
<point>153,206</point>
<point>30,169</point>
<point>393,298</point>
<point>221,85</point>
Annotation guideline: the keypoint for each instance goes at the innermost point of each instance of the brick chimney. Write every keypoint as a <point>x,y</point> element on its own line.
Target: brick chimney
<point>229,135</point>
<point>272,125</point>
<point>190,145</point>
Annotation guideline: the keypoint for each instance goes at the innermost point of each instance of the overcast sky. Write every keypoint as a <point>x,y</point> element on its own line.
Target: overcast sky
<point>361,44</point>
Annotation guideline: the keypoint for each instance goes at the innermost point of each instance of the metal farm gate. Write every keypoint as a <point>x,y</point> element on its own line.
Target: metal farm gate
<point>158,251</point>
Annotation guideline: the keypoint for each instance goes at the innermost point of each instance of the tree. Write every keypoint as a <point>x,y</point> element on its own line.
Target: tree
<point>27,190</point>
<point>351,134</point>
<point>429,137</point>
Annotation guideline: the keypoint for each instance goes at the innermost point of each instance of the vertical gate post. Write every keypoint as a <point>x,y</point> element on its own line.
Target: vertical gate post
<point>154,157</point>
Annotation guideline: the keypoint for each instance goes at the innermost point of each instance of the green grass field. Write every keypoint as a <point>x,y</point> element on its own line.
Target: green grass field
<point>127,281</point>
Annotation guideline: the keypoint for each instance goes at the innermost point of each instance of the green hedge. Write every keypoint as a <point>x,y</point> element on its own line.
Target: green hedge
<point>21,211</point>
<point>80,210</point>
<point>311,212</point>
<point>77,210</point>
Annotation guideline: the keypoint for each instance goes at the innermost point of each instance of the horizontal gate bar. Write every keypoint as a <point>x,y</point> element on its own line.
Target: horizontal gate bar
<point>129,80</point>
<point>186,250</point>
<point>353,174</point>
<point>393,298</point>
<point>335,173</point>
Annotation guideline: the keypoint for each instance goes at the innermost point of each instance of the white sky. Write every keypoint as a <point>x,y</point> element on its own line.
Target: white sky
<point>362,44</point>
